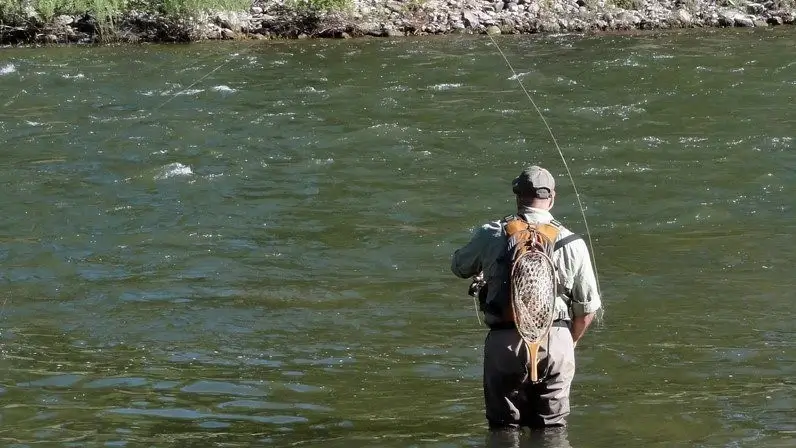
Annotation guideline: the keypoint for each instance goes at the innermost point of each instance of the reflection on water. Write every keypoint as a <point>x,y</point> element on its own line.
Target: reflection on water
<point>549,438</point>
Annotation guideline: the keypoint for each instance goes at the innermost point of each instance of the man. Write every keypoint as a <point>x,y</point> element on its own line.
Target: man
<point>511,400</point>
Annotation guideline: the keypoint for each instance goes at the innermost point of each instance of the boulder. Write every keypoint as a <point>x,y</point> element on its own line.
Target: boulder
<point>774,20</point>
<point>744,21</point>
<point>755,8</point>
<point>63,20</point>
<point>684,17</point>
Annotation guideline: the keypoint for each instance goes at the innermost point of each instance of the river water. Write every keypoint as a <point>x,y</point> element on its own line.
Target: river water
<point>248,244</point>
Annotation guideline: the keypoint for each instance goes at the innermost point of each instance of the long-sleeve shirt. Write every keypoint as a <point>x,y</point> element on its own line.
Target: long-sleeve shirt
<point>487,252</point>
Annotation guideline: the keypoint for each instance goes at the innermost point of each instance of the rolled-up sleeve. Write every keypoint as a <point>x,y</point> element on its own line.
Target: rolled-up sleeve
<point>585,292</point>
<point>467,261</point>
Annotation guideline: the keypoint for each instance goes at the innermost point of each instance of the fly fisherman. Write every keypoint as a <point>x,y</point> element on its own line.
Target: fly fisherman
<point>512,401</point>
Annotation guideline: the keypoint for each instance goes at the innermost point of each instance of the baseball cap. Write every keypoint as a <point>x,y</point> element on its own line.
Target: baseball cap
<point>534,181</point>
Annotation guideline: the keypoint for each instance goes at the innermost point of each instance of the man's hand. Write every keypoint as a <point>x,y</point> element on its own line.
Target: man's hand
<point>579,326</point>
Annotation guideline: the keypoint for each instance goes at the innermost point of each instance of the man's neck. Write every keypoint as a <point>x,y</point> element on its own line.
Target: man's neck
<point>535,214</point>
<point>530,209</point>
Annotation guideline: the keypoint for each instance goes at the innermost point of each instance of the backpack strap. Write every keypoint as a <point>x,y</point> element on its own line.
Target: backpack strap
<point>513,224</point>
<point>549,230</point>
<point>566,240</point>
<point>508,218</point>
<point>517,223</point>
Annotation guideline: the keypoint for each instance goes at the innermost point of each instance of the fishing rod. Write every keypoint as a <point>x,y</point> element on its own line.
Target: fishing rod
<point>560,153</point>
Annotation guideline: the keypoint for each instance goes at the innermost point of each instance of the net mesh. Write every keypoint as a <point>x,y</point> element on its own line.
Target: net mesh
<point>533,289</point>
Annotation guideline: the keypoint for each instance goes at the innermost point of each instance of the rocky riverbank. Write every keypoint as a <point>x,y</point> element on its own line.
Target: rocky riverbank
<point>388,18</point>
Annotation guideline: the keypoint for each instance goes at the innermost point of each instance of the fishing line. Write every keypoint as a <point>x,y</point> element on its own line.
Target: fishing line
<point>11,100</point>
<point>207,75</point>
<point>563,159</point>
<point>171,98</point>
<point>477,314</point>
<point>186,89</point>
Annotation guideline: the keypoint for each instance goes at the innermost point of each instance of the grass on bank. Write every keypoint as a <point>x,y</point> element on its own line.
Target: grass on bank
<point>20,20</point>
<point>319,5</point>
<point>46,10</point>
<point>106,10</point>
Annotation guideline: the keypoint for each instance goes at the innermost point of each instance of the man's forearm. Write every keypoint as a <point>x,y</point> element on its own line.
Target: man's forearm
<point>579,326</point>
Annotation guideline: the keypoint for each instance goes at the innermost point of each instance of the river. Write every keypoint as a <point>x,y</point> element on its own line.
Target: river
<point>248,243</point>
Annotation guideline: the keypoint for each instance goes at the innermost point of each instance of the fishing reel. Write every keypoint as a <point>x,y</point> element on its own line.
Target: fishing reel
<point>476,286</point>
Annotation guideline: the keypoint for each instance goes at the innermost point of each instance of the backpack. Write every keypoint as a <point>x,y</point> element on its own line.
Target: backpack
<point>533,283</point>
<point>524,236</point>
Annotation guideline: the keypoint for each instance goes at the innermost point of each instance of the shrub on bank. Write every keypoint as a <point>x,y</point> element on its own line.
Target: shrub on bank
<point>319,6</point>
<point>21,11</point>
<point>55,21</point>
<point>46,10</point>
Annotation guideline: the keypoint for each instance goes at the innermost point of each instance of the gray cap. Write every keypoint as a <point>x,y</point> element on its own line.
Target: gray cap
<point>534,181</point>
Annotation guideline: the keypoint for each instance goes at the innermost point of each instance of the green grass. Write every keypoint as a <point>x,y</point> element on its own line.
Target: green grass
<point>181,7</point>
<point>106,10</point>
<point>315,6</point>
<point>25,17</point>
